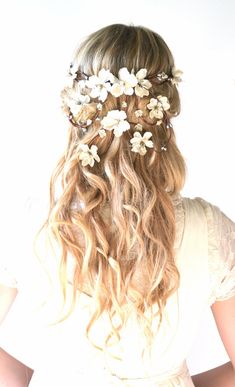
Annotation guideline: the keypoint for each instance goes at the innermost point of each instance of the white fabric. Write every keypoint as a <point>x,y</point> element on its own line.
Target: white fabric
<point>61,355</point>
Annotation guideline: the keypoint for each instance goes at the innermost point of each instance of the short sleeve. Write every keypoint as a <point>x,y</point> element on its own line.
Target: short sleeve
<point>221,253</point>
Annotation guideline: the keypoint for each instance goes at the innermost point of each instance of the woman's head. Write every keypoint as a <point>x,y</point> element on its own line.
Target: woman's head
<point>131,48</point>
<point>126,220</point>
<point>134,47</point>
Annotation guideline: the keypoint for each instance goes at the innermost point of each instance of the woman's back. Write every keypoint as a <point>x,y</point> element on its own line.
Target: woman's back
<point>206,273</point>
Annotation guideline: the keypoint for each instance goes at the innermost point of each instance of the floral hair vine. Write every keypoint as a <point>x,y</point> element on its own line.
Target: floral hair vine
<point>94,90</point>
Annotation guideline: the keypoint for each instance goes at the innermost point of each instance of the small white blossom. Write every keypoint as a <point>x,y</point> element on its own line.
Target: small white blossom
<point>116,121</point>
<point>164,101</point>
<point>128,81</point>
<point>176,76</point>
<point>73,98</point>
<point>74,107</point>
<point>87,155</point>
<point>99,106</point>
<point>102,133</point>
<point>139,127</point>
<point>143,85</point>
<point>139,143</point>
<point>138,113</point>
<point>157,105</point>
<point>124,104</point>
<point>89,122</point>
<point>159,122</point>
<point>162,76</point>
<point>155,108</point>
<point>100,85</point>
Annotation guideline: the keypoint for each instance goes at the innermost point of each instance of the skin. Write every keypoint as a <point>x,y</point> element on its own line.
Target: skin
<point>15,374</point>
<point>12,372</point>
<point>222,376</point>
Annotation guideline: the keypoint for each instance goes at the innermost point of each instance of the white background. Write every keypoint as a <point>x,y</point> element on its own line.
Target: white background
<point>38,38</point>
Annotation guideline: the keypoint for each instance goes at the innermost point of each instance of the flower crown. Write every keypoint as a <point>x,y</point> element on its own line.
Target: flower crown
<point>94,90</point>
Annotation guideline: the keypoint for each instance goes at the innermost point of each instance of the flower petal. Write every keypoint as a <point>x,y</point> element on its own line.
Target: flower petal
<point>122,115</point>
<point>147,135</point>
<point>139,127</point>
<point>116,90</point>
<point>142,150</point>
<point>124,125</point>
<point>108,122</point>
<point>141,74</point>
<point>103,94</point>
<point>117,131</point>
<point>129,91</point>
<point>149,144</point>
<point>140,91</point>
<point>146,84</point>
<point>138,113</point>
<point>102,133</point>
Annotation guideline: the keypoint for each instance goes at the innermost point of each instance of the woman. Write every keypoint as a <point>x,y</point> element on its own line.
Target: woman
<point>137,262</point>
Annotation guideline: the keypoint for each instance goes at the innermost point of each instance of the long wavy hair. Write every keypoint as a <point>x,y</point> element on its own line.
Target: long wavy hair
<point>117,219</point>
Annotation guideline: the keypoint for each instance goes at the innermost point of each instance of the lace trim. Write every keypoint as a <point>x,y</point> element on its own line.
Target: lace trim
<point>227,252</point>
<point>179,220</point>
<point>221,253</point>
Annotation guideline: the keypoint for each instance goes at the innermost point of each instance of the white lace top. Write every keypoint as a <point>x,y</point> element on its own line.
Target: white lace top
<point>60,353</point>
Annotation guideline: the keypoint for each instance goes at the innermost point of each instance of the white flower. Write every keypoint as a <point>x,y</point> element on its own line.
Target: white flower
<point>156,108</point>
<point>162,76</point>
<point>87,155</point>
<point>139,143</point>
<point>138,113</point>
<point>102,133</point>
<point>164,101</point>
<point>124,104</point>
<point>74,107</point>
<point>159,122</point>
<point>74,97</point>
<point>157,105</point>
<point>99,106</point>
<point>143,85</point>
<point>128,81</point>
<point>100,85</point>
<point>116,121</point>
<point>176,76</point>
<point>139,127</point>
<point>99,92</point>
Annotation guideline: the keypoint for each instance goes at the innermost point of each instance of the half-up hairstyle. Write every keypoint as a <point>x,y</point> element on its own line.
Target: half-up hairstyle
<point>117,218</point>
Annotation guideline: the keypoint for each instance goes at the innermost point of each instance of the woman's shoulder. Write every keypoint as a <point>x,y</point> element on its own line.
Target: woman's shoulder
<point>201,207</point>
<point>220,238</point>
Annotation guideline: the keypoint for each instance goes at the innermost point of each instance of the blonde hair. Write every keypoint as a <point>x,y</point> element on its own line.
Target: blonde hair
<point>125,225</point>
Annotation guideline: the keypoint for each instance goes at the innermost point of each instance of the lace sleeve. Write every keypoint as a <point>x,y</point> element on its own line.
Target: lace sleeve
<point>221,253</point>
<point>227,254</point>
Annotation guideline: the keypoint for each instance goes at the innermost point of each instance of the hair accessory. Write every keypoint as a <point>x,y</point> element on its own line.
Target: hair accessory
<point>175,78</point>
<point>92,92</point>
